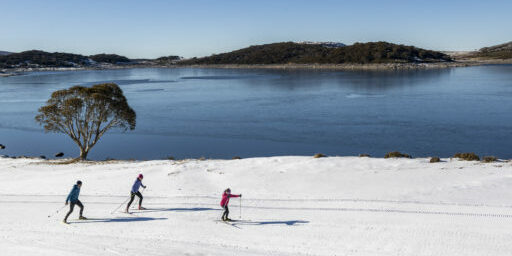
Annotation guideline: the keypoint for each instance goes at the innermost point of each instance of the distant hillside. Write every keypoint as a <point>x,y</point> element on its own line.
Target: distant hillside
<point>109,58</point>
<point>37,59</point>
<point>40,58</point>
<point>4,53</point>
<point>168,60</point>
<point>304,53</point>
<point>501,51</point>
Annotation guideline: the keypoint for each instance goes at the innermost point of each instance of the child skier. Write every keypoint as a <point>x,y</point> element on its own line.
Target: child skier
<point>225,201</point>
<point>135,192</point>
<point>73,198</point>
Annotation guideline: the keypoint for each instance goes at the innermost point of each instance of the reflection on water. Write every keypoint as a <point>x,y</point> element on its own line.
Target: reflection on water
<point>225,112</point>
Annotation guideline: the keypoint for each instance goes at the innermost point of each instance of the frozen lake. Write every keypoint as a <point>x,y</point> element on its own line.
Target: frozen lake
<point>221,113</point>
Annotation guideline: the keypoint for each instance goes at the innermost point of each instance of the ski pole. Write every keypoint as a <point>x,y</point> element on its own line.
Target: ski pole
<point>240,207</point>
<point>50,215</point>
<point>112,212</point>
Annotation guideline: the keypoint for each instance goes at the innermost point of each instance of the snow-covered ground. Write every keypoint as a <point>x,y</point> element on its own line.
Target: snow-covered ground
<point>291,206</point>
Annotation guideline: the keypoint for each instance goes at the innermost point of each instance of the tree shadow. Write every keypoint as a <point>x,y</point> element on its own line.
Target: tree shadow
<point>123,219</point>
<point>259,223</point>
<point>194,209</point>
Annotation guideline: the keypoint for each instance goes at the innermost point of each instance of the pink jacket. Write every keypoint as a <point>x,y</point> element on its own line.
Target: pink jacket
<point>225,198</point>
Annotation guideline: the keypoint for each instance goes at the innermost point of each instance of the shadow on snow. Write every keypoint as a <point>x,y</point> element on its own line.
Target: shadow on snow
<point>258,223</point>
<point>194,209</point>
<point>124,219</point>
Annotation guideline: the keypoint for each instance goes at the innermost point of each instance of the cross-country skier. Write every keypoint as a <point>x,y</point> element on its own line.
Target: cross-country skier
<point>135,192</point>
<point>225,201</point>
<point>73,199</point>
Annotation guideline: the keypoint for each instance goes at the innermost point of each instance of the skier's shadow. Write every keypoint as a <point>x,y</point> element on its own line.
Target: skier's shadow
<point>123,219</point>
<point>258,223</point>
<point>194,209</point>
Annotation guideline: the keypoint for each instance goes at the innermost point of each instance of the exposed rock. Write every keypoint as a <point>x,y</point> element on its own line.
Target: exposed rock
<point>60,154</point>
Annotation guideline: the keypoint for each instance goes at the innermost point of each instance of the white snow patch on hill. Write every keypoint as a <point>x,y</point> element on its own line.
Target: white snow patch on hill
<point>291,206</point>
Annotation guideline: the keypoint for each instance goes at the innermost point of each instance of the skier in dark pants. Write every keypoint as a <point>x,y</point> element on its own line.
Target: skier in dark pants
<point>73,199</point>
<point>225,201</point>
<point>135,192</point>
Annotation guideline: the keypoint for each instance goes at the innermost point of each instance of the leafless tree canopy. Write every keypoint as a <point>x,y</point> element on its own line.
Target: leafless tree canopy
<point>86,113</point>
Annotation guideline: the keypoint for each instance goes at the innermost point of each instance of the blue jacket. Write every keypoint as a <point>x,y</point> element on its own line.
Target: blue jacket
<point>136,185</point>
<point>73,195</point>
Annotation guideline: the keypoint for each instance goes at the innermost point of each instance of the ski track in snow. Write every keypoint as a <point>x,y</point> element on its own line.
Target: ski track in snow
<point>291,206</point>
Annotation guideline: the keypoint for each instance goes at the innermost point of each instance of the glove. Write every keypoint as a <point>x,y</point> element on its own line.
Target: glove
<point>144,186</point>
<point>240,195</point>
<point>66,203</point>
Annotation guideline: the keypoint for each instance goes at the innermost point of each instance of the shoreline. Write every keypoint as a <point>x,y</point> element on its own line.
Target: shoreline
<point>333,67</point>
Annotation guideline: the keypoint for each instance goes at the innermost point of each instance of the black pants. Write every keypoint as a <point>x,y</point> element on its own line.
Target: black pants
<point>132,196</point>
<point>226,212</point>
<point>72,206</point>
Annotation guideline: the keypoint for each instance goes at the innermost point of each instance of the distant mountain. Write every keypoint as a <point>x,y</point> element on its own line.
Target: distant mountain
<point>4,53</point>
<point>39,59</point>
<point>501,51</point>
<point>308,53</point>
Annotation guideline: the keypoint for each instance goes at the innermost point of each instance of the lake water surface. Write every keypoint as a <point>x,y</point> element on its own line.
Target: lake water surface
<point>221,113</point>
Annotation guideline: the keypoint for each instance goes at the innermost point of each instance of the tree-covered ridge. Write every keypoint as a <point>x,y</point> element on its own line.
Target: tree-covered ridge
<point>109,58</point>
<point>290,52</point>
<point>36,58</point>
<point>56,59</point>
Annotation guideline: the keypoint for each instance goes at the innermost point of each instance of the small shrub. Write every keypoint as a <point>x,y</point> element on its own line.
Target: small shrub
<point>364,155</point>
<point>396,154</point>
<point>467,156</point>
<point>318,155</point>
<point>236,157</point>
<point>202,158</point>
<point>489,159</point>
<point>2,146</point>
<point>60,154</point>
<point>435,159</point>
<point>171,158</point>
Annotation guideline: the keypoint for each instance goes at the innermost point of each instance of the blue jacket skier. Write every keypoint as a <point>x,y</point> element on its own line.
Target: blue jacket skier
<point>73,199</point>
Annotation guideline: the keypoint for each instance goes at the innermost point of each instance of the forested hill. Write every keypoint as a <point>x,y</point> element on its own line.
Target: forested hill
<point>35,58</point>
<point>290,52</point>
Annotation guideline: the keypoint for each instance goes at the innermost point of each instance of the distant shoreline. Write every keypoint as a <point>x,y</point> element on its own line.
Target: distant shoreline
<point>336,67</point>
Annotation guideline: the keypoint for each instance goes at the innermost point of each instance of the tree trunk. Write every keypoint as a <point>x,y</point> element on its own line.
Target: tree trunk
<point>83,154</point>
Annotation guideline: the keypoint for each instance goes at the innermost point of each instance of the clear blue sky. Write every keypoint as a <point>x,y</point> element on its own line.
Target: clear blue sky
<point>152,28</point>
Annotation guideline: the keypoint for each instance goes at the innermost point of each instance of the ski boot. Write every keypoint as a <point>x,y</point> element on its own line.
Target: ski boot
<point>82,218</point>
<point>228,219</point>
<point>141,208</point>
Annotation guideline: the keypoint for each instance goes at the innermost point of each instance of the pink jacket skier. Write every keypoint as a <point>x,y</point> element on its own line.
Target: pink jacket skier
<point>224,203</point>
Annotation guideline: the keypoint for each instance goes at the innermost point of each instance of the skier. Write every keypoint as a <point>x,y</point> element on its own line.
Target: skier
<point>135,192</point>
<point>225,201</point>
<point>73,199</point>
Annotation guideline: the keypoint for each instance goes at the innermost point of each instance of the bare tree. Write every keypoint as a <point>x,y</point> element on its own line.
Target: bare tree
<point>86,113</point>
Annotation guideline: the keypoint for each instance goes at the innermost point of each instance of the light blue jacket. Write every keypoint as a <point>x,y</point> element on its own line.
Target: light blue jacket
<point>136,185</point>
<point>73,195</point>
